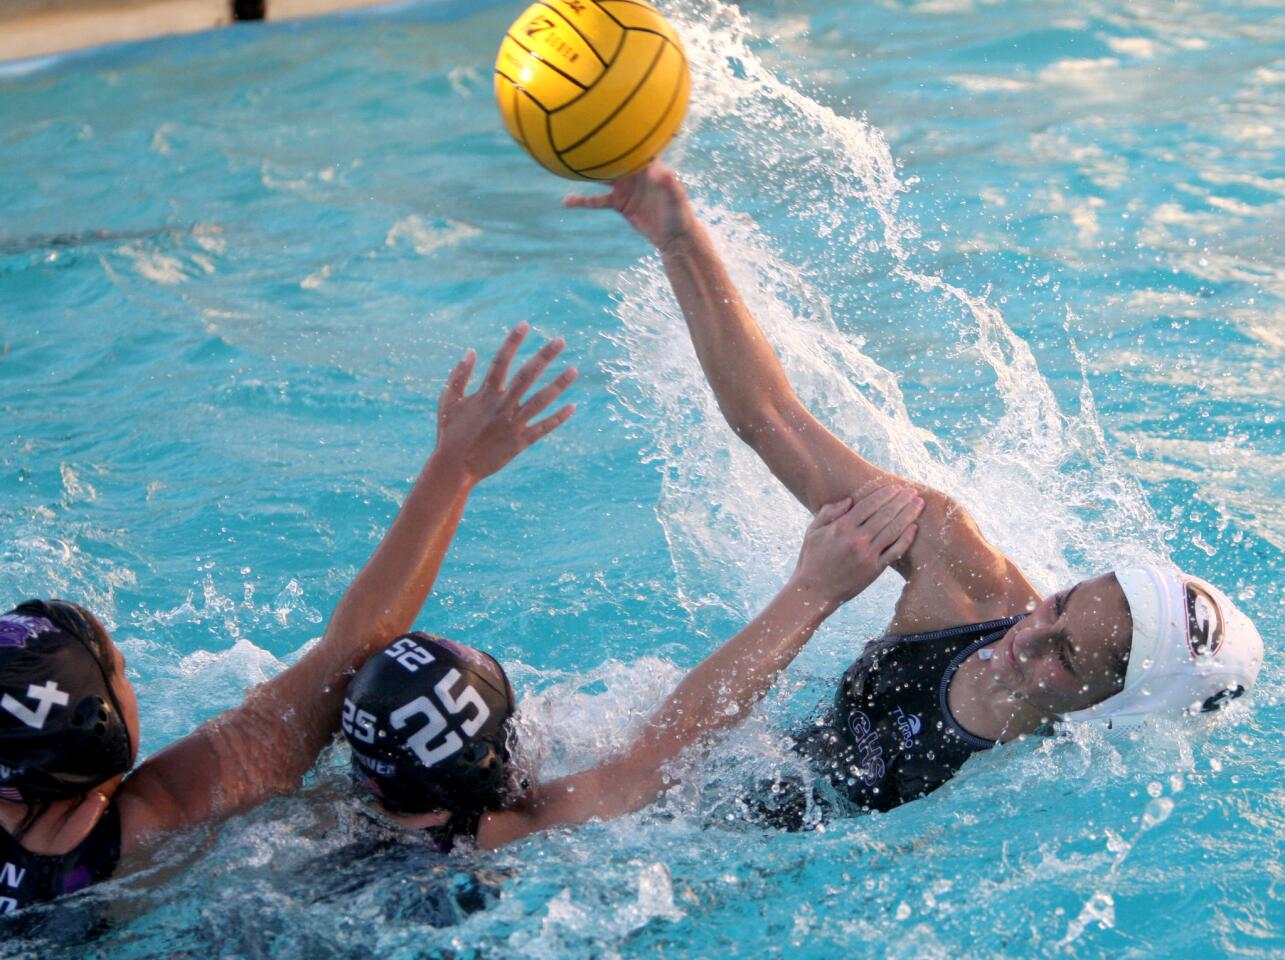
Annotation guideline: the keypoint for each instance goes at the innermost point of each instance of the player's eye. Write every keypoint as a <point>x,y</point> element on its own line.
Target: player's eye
<point>1064,652</point>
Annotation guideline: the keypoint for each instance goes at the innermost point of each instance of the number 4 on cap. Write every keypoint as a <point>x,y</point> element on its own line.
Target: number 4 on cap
<point>47,696</point>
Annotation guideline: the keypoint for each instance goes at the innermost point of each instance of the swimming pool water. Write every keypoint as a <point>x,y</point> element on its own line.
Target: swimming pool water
<point>1027,253</point>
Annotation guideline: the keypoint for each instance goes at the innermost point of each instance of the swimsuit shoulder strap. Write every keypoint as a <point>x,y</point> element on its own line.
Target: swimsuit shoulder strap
<point>964,632</point>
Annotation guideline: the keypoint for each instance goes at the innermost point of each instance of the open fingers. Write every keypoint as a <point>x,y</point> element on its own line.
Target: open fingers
<point>504,356</point>
<point>546,426</point>
<point>457,380</point>
<point>547,394</point>
<point>531,370</point>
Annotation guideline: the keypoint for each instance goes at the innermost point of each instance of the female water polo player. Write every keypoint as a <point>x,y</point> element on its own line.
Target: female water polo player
<point>427,720</point>
<point>69,727</point>
<point>974,655</point>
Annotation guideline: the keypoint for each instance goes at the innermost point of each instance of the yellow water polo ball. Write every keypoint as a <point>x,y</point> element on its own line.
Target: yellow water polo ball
<point>592,89</point>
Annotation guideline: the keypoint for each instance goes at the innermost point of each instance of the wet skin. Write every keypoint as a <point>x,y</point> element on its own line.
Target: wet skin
<point>1067,654</point>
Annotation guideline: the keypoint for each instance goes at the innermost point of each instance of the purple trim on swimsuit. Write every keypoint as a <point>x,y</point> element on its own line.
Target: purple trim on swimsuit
<point>77,879</point>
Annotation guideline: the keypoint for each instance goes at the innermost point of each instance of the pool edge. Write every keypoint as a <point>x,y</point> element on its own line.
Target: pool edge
<point>36,35</point>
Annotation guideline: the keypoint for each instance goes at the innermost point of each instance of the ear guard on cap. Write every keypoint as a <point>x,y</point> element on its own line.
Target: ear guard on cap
<point>427,723</point>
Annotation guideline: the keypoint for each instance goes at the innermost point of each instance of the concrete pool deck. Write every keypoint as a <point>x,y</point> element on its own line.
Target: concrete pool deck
<point>38,28</point>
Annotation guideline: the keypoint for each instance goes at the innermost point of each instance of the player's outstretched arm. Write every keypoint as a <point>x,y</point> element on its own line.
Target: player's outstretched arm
<point>845,549</point>
<point>748,381</point>
<point>953,572</point>
<point>265,746</point>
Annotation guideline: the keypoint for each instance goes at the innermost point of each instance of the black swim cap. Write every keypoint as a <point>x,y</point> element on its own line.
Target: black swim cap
<point>61,729</point>
<point>426,723</point>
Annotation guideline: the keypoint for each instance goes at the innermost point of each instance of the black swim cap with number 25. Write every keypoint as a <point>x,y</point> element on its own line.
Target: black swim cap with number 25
<point>426,722</point>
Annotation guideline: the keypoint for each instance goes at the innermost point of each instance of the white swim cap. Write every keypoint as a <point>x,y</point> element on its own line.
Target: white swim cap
<point>1192,649</point>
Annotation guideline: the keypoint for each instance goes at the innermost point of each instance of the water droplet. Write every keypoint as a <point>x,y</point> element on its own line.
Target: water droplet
<point>1157,812</point>
<point>1115,843</point>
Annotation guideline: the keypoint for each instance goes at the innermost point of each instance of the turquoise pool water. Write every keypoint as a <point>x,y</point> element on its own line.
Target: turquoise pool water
<point>1029,253</point>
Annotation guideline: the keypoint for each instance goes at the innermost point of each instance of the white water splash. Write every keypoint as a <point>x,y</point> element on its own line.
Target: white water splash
<point>154,265</point>
<point>1040,482</point>
<point>425,238</point>
<point>1099,909</point>
<point>566,921</point>
<point>575,722</point>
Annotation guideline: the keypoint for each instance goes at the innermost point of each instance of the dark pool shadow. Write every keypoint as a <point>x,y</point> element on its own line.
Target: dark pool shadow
<point>15,246</point>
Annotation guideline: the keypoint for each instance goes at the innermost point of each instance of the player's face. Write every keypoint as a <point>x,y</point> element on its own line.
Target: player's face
<point>1070,652</point>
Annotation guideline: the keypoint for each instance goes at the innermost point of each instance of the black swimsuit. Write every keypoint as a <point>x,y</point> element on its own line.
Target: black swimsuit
<point>27,878</point>
<point>891,736</point>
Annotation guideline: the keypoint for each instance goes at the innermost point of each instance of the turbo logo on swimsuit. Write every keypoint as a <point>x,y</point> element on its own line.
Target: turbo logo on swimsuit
<point>908,726</point>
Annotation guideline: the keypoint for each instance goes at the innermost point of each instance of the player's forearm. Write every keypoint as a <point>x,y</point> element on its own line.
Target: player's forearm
<point>380,605</point>
<point>739,363</point>
<point>265,746</point>
<point>724,687</point>
<point>716,694</point>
